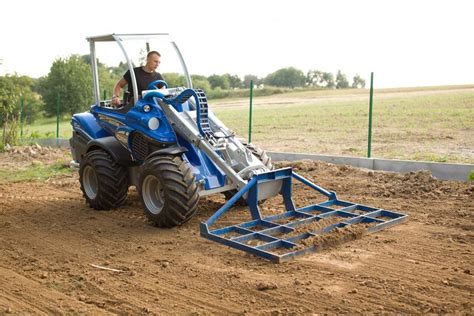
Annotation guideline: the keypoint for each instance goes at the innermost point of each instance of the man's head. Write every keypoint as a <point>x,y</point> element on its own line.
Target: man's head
<point>152,60</point>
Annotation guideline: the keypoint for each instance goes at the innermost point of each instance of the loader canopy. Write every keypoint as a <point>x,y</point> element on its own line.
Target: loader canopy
<point>109,64</point>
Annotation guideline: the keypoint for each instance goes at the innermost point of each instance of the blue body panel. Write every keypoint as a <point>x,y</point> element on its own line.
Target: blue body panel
<point>103,121</point>
<point>88,123</point>
<point>203,168</point>
<point>136,119</point>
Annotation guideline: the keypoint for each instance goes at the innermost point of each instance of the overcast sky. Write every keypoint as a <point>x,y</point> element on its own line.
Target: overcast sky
<point>405,43</point>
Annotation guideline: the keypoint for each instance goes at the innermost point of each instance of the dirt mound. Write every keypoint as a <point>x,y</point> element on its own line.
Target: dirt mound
<point>420,184</point>
<point>35,151</point>
<point>306,166</point>
<point>20,157</point>
<point>336,237</point>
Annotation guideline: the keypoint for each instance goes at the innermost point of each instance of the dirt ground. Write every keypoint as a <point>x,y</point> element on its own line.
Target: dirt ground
<point>54,248</point>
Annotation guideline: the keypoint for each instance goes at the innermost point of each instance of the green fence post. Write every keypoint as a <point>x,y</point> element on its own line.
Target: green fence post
<point>57,115</point>
<point>369,146</point>
<point>250,113</point>
<point>21,116</point>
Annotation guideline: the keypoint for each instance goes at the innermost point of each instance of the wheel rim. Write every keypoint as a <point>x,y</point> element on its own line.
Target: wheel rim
<point>152,193</point>
<point>90,182</point>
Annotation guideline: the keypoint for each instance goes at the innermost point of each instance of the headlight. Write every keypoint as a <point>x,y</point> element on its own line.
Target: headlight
<point>146,108</point>
<point>122,136</point>
<point>153,123</point>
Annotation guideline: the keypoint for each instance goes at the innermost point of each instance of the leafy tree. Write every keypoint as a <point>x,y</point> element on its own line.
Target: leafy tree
<point>32,103</point>
<point>201,82</point>
<point>314,78</point>
<point>320,79</point>
<point>71,79</point>
<point>328,78</point>
<point>12,90</point>
<point>9,97</point>
<point>286,77</point>
<point>107,81</point>
<point>219,81</point>
<point>341,81</point>
<point>118,71</point>
<point>108,76</point>
<point>234,81</point>
<point>358,82</point>
<point>174,79</point>
<point>248,78</point>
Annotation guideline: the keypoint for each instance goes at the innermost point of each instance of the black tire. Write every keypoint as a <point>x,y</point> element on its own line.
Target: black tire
<point>263,157</point>
<point>104,183</point>
<point>168,190</point>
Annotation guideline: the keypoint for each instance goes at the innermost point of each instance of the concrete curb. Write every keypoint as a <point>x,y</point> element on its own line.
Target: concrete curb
<point>443,171</point>
<point>50,142</point>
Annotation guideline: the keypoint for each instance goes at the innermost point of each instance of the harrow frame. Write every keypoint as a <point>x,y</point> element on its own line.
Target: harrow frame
<point>269,234</point>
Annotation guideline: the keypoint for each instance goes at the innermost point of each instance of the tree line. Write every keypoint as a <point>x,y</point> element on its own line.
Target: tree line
<point>286,78</point>
<point>70,80</point>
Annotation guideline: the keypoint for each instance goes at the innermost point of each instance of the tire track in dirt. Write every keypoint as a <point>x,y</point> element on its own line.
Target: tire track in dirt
<point>32,297</point>
<point>403,285</point>
<point>38,198</point>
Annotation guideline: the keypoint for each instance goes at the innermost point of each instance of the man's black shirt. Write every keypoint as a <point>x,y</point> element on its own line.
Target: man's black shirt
<point>143,80</point>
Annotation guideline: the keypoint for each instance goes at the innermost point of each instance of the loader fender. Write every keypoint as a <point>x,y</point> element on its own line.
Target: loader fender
<point>173,150</point>
<point>111,145</point>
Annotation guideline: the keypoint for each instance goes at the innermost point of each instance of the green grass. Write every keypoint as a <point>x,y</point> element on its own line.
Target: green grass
<point>436,127</point>
<point>46,128</point>
<point>35,171</point>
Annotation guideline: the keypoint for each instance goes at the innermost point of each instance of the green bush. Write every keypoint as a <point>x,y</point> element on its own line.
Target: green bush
<point>10,129</point>
<point>218,93</point>
<point>35,134</point>
<point>470,177</point>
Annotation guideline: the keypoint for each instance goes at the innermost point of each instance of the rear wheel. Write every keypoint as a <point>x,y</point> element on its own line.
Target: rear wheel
<point>168,191</point>
<point>104,183</point>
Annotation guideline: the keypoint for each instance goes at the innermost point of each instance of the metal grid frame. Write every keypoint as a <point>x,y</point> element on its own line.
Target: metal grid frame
<point>268,233</point>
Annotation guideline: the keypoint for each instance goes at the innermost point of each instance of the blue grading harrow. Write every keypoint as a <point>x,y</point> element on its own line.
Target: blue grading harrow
<point>169,145</point>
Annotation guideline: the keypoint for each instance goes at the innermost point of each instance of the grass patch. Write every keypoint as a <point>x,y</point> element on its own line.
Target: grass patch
<point>36,172</point>
<point>433,127</point>
<point>46,128</point>
<point>470,177</point>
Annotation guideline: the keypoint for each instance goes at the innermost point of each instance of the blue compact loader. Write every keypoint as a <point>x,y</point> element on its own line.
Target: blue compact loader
<point>174,150</point>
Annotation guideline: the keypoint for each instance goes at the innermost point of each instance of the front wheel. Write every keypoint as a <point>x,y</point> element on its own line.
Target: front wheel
<point>168,191</point>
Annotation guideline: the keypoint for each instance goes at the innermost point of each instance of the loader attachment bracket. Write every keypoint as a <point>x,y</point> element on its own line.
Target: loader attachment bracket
<point>296,231</point>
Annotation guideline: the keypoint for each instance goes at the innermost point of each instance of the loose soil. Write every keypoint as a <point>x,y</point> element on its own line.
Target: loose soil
<point>59,256</point>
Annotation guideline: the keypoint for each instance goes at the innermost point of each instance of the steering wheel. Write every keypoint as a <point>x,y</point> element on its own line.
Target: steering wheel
<point>154,84</point>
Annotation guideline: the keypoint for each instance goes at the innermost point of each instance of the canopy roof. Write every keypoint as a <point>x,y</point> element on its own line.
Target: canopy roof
<point>111,37</point>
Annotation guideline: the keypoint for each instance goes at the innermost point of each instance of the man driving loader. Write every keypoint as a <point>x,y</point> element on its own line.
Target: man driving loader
<point>144,76</point>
